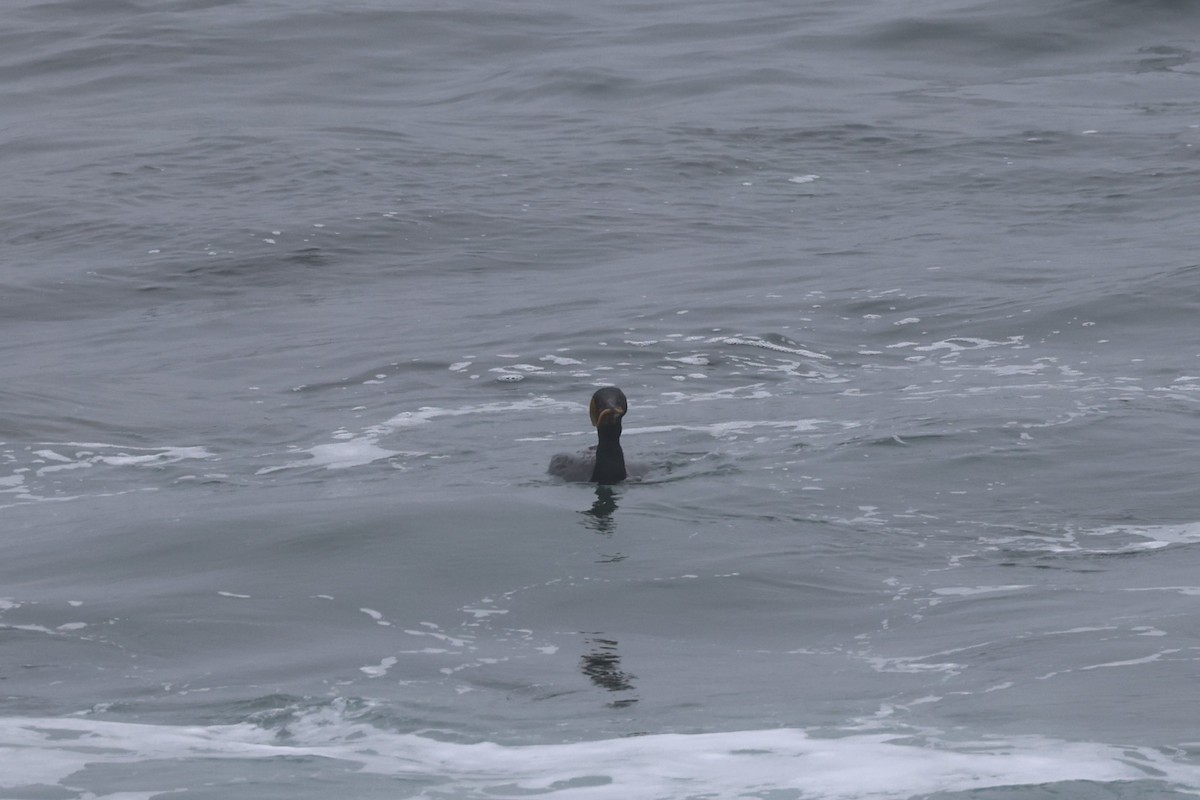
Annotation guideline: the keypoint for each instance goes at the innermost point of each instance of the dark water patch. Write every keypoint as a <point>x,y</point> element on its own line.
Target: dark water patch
<point>980,42</point>
<point>1163,58</point>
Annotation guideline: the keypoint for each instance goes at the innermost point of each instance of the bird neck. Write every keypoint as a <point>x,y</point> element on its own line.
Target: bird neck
<point>610,458</point>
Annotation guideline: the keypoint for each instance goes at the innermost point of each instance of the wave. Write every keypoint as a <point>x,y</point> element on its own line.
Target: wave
<point>95,758</point>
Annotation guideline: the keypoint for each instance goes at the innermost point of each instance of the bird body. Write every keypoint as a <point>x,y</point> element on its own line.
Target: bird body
<point>604,463</point>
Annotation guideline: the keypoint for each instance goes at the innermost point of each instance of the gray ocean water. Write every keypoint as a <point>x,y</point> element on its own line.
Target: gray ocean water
<point>298,299</point>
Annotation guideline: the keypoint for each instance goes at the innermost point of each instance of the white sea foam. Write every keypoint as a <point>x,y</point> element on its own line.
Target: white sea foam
<point>91,454</point>
<point>356,449</point>
<point>51,459</point>
<point>698,360</point>
<point>738,427</point>
<point>754,341</point>
<point>755,391</point>
<point>424,414</point>
<point>964,591</point>
<point>1133,662</point>
<point>355,452</point>
<point>68,753</point>
<point>1110,539</point>
<point>562,361</point>
<point>381,669</point>
<point>376,615</point>
<point>953,346</point>
<point>1193,591</point>
<point>1156,535</point>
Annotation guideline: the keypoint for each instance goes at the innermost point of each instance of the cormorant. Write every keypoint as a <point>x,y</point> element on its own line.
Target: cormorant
<point>604,463</point>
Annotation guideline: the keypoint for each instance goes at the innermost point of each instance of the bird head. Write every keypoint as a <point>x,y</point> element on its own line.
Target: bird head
<point>608,406</point>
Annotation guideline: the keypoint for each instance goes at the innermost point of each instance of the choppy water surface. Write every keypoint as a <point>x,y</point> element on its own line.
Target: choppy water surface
<point>300,298</point>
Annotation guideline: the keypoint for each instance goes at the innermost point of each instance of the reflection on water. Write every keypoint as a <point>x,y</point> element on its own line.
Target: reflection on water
<point>602,665</point>
<point>602,509</point>
<point>599,519</point>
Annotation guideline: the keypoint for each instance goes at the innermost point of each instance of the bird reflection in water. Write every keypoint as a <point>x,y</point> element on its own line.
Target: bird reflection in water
<point>599,518</point>
<point>602,665</point>
<point>602,510</point>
